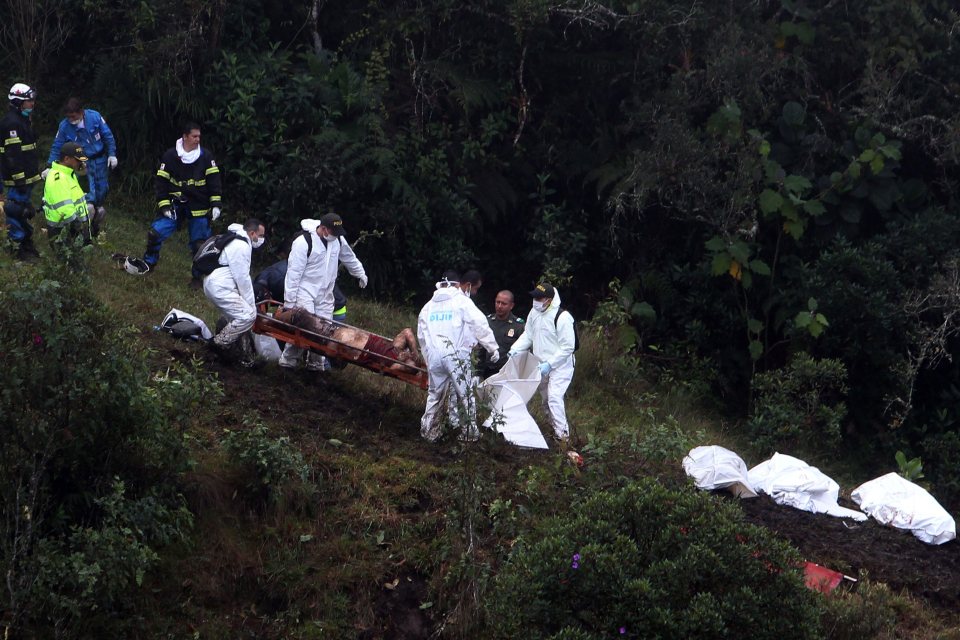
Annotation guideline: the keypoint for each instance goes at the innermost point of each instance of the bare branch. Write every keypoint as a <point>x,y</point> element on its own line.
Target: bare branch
<point>936,315</point>
<point>523,100</point>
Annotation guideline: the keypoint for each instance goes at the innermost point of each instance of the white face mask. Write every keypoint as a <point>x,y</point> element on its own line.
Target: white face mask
<point>258,243</point>
<point>540,305</point>
<point>76,122</point>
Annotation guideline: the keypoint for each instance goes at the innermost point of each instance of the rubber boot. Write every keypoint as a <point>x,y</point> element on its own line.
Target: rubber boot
<point>27,252</point>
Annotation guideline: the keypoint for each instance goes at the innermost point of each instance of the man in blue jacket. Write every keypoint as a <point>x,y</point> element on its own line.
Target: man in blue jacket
<point>87,128</point>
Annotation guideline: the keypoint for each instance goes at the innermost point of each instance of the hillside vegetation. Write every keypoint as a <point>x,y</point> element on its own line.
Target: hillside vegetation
<point>159,494</point>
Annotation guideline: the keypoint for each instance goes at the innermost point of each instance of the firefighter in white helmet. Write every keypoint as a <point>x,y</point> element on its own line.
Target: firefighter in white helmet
<point>19,168</point>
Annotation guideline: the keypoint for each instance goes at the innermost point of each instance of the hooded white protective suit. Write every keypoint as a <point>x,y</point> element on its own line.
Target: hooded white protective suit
<point>229,288</point>
<point>552,340</point>
<point>448,328</point>
<point>310,280</point>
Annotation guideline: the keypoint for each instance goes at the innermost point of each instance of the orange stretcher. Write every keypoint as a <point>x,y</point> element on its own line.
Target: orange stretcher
<point>375,355</point>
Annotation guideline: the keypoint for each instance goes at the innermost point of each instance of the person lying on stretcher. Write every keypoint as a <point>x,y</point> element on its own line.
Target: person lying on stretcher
<point>363,344</point>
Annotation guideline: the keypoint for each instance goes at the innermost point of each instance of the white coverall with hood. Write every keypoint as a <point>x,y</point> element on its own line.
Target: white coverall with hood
<point>552,341</point>
<point>448,327</point>
<point>310,280</point>
<point>230,288</point>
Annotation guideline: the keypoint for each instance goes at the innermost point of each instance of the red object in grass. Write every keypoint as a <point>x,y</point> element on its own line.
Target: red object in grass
<point>820,578</point>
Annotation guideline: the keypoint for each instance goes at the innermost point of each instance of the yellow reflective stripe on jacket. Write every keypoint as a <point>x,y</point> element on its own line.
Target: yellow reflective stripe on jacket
<point>211,170</point>
<point>13,182</point>
<point>184,183</point>
<point>63,197</point>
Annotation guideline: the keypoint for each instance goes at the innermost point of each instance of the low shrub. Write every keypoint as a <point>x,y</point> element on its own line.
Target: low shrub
<point>800,405</point>
<point>868,612</point>
<point>267,465</point>
<point>648,562</point>
<point>92,445</point>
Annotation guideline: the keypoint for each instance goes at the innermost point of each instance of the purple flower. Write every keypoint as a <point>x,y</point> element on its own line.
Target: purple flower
<point>37,339</point>
<point>623,631</point>
<point>576,561</point>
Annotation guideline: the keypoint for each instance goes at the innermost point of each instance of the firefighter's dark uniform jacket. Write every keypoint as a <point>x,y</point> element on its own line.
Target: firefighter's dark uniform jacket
<point>198,182</point>
<point>19,162</point>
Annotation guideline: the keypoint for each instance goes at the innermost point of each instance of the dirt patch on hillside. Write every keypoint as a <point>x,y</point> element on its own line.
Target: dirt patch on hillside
<point>889,555</point>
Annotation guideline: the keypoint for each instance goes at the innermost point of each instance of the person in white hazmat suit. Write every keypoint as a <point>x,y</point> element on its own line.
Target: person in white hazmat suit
<point>229,286</point>
<point>448,327</point>
<point>315,256</point>
<point>551,338</point>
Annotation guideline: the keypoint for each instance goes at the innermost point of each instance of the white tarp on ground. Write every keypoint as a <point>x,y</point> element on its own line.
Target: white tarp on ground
<point>509,391</point>
<point>714,467</point>
<point>897,502</point>
<point>267,347</point>
<point>794,483</point>
<point>205,332</point>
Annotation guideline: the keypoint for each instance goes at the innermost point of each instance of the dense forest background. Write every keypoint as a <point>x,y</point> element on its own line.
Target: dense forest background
<point>766,189</point>
<point>757,200</point>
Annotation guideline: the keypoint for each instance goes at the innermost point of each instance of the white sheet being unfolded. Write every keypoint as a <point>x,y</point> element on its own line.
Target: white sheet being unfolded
<point>509,391</point>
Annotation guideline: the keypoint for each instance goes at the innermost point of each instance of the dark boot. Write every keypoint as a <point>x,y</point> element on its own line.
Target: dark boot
<point>248,352</point>
<point>96,223</point>
<point>27,252</point>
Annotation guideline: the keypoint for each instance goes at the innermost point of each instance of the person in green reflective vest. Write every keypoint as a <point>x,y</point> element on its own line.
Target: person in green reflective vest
<point>64,203</point>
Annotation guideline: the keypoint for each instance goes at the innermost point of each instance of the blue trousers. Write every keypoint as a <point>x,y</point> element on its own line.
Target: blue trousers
<point>97,181</point>
<point>18,228</point>
<point>198,228</point>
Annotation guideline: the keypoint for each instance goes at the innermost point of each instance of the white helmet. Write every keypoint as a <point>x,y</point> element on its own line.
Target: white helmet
<point>135,266</point>
<point>21,91</point>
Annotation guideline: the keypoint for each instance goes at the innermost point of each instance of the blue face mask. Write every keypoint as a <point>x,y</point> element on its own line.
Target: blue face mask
<point>26,112</point>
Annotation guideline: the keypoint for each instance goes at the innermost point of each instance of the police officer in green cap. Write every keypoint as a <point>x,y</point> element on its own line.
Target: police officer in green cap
<point>64,202</point>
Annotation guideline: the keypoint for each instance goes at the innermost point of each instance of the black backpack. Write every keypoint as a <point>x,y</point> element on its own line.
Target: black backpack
<point>208,255</point>
<point>309,237</point>
<point>182,328</point>
<point>576,334</point>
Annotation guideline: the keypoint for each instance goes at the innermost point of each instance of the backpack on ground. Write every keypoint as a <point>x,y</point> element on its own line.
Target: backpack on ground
<point>185,326</point>
<point>576,334</point>
<point>207,258</point>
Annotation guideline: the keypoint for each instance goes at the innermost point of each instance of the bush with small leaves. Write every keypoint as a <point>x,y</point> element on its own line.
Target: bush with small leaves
<point>645,561</point>
<point>92,440</point>
<point>267,465</point>
<point>800,405</point>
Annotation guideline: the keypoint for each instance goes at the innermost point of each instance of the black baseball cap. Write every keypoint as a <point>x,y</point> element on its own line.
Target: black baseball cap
<point>72,150</point>
<point>333,222</point>
<point>543,290</point>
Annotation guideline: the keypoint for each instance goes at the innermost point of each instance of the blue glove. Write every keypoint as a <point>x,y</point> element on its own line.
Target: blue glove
<point>512,354</point>
<point>544,368</point>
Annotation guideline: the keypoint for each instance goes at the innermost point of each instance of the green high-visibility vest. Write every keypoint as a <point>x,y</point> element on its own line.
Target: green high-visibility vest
<point>63,198</point>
